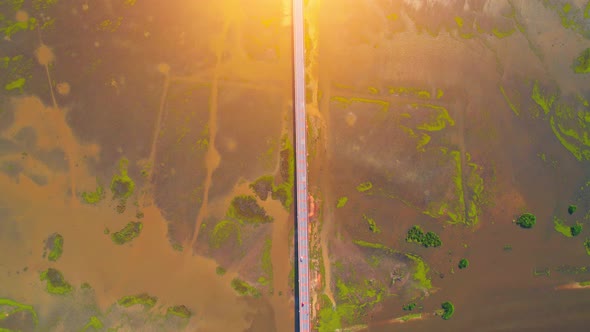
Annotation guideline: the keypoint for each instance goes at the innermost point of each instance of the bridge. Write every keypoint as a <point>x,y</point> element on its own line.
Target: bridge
<point>302,320</point>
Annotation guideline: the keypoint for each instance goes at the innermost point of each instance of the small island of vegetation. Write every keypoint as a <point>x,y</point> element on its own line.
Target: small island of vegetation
<point>582,62</point>
<point>430,239</point>
<point>55,245</point>
<point>409,306</point>
<point>179,310</point>
<point>526,220</point>
<point>246,209</point>
<point>463,263</point>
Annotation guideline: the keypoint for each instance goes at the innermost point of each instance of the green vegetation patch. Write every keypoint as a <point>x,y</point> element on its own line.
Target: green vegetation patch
<point>409,317</point>
<point>243,288</point>
<point>143,299</point>
<point>430,239</point>
<point>94,323</point>
<point>584,283</point>
<point>526,220</point>
<point>341,202</point>
<point>568,231</point>
<point>245,208</point>
<point>94,197</point>
<point>267,261</point>
<point>421,270</point>
<point>56,247</point>
<point>463,263</point>
<point>587,245</point>
<point>122,185</point>
<point>284,191</point>
<point>448,310</point>
<point>357,298</point>
<point>10,307</point>
<point>409,306</point>
<point>372,224</point>
<point>442,118</point>
<point>128,233</point>
<point>9,28</point>
<point>16,84</point>
<point>220,271</point>
<point>180,310</point>
<point>56,284</point>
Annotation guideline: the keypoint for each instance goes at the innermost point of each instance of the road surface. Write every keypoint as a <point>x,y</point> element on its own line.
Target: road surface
<point>302,250</point>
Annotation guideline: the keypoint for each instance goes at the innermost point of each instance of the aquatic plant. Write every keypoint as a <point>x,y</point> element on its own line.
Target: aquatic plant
<point>365,186</point>
<point>56,283</point>
<point>128,233</point>
<point>449,309</point>
<point>222,231</point>
<point>421,270</point>
<point>372,224</point>
<point>576,229</point>
<point>341,202</point>
<point>180,310</point>
<point>526,220</point>
<point>587,245</point>
<point>55,243</point>
<point>246,209</point>
<point>220,271</point>
<point>463,263</point>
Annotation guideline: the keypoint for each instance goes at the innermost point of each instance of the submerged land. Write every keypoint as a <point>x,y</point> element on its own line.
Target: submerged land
<point>147,166</point>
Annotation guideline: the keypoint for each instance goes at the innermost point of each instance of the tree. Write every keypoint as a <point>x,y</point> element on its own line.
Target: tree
<point>449,309</point>
<point>431,239</point>
<point>463,263</point>
<point>576,229</point>
<point>571,209</point>
<point>415,234</point>
<point>526,220</point>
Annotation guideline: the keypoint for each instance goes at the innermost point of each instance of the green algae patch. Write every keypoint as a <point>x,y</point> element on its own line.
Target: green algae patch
<point>502,34</point>
<point>143,299</point>
<point>93,323</point>
<point>372,224</point>
<point>512,106</point>
<point>93,197</point>
<point>421,270</point>
<point>180,311</point>
<point>56,284</point>
<point>243,288</point>
<point>222,232</point>
<point>16,84</point>
<point>409,317</point>
<point>581,64</point>
<point>10,307</point>
<point>538,96</point>
<point>341,202</point>
<point>364,187</point>
<point>128,233</point>
<point>263,186</point>
<point>442,118</point>
<point>122,186</point>
<point>424,140</point>
<point>56,247</point>
<point>245,209</point>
